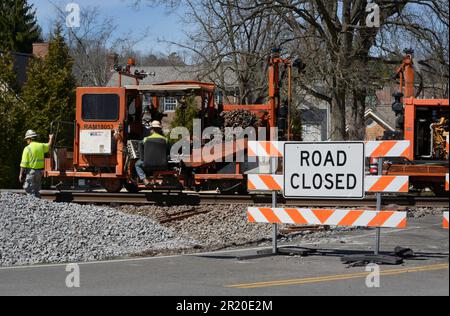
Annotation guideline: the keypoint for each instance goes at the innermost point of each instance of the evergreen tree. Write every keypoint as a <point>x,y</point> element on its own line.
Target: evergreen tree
<point>18,25</point>
<point>185,115</point>
<point>49,93</point>
<point>11,134</point>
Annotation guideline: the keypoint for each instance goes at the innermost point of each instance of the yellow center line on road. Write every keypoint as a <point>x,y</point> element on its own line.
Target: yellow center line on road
<point>338,277</point>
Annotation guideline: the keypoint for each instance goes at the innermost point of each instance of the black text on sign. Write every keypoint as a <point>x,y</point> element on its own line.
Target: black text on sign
<point>324,170</point>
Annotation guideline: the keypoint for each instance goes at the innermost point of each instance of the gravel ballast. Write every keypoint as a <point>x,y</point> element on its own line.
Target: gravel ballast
<point>220,227</point>
<point>226,226</point>
<point>35,231</point>
<point>420,212</point>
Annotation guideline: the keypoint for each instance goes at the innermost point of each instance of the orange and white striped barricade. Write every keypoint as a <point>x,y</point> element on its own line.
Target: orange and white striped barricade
<point>267,149</point>
<point>373,149</point>
<point>322,217</point>
<point>445,222</point>
<point>447,185</point>
<point>265,182</point>
<point>373,184</point>
<point>447,146</point>
<point>327,217</point>
<point>377,184</point>
<point>388,149</point>
<point>381,150</point>
<point>387,184</point>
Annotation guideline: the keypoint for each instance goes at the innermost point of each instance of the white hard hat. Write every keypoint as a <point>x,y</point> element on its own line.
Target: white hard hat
<point>156,124</point>
<point>30,134</point>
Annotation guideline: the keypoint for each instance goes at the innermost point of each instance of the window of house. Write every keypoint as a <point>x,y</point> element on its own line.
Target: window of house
<point>311,133</point>
<point>170,104</point>
<point>219,97</point>
<point>236,95</point>
<point>147,100</point>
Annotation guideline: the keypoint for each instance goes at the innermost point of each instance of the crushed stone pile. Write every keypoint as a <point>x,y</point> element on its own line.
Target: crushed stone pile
<point>419,212</point>
<point>35,231</point>
<point>239,118</point>
<point>224,226</point>
<point>220,227</point>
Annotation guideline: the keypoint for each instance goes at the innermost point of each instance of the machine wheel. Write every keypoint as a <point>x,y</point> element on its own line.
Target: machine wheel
<point>131,187</point>
<point>112,186</point>
<point>439,190</point>
<point>232,187</point>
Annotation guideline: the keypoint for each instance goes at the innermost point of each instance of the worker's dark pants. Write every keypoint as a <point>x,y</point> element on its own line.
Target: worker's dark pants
<point>139,166</point>
<point>33,182</point>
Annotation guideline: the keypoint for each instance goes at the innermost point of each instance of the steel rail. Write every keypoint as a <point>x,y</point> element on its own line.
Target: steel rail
<point>178,198</point>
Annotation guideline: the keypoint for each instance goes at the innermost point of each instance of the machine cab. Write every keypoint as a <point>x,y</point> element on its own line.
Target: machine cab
<point>105,117</point>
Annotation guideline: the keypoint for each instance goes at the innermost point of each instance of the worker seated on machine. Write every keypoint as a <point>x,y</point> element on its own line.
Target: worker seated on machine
<point>153,153</point>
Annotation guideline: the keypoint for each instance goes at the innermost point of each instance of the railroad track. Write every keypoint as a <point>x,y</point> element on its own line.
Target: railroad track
<point>166,198</point>
<point>168,218</point>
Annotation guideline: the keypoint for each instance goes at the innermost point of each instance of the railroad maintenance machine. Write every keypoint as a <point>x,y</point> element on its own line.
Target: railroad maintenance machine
<point>425,123</point>
<point>111,123</point>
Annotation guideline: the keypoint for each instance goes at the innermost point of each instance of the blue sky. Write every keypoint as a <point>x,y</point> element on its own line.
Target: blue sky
<point>160,23</point>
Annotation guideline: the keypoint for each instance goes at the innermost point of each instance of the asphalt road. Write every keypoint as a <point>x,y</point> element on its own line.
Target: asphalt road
<point>220,274</point>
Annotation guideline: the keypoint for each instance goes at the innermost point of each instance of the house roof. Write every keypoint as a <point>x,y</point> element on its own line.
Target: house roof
<point>383,107</point>
<point>174,87</point>
<point>379,119</point>
<point>371,114</point>
<point>314,115</point>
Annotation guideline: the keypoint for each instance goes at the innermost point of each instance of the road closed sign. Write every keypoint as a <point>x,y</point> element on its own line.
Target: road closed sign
<point>324,170</point>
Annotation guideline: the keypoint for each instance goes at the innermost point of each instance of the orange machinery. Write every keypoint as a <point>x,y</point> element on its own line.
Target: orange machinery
<point>108,119</point>
<point>275,105</point>
<point>425,123</point>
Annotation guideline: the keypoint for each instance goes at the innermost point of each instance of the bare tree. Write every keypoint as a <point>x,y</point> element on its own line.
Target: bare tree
<point>346,56</point>
<point>95,46</point>
<point>224,42</point>
<point>89,45</point>
<point>427,34</point>
<point>342,46</point>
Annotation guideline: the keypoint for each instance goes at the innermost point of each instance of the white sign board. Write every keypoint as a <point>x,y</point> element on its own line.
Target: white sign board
<point>325,170</point>
<point>95,142</point>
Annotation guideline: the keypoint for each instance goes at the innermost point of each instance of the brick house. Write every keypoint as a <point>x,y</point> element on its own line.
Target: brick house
<point>380,118</point>
<point>21,61</point>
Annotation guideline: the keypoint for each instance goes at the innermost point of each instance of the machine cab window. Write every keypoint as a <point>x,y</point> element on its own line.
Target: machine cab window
<point>100,107</point>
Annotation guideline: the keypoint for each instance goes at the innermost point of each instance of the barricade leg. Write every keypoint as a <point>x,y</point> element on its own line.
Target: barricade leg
<point>275,251</point>
<point>376,257</point>
<point>274,226</point>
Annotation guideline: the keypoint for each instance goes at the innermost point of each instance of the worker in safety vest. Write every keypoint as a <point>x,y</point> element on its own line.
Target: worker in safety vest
<point>32,165</point>
<point>156,133</point>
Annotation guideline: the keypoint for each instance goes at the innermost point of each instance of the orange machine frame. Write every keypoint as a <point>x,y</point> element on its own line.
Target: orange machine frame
<point>81,161</point>
<point>274,101</point>
<point>209,110</point>
<point>411,104</point>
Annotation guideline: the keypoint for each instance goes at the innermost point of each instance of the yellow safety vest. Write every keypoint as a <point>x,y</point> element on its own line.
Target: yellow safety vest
<point>33,156</point>
<point>155,136</point>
